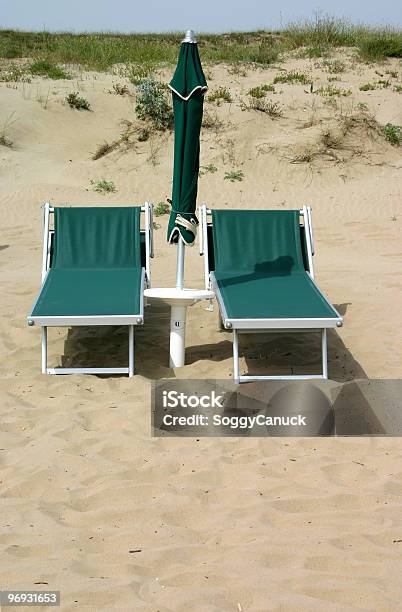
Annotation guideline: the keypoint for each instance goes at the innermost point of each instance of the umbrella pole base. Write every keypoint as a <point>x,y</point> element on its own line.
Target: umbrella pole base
<point>177,336</point>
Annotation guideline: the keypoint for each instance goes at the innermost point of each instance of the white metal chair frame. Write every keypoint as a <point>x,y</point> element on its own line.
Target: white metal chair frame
<point>266,325</point>
<point>71,321</point>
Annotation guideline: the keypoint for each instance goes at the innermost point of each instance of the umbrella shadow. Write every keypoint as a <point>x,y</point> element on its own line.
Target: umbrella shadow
<point>354,414</point>
<point>281,266</point>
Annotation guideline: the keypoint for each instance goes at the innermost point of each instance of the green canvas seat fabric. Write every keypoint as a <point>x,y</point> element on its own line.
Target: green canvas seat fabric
<point>268,296</point>
<point>259,266</point>
<point>90,292</point>
<point>257,240</point>
<point>104,237</point>
<point>96,263</point>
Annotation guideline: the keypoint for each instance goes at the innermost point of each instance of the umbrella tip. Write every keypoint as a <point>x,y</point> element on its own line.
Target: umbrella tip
<point>189,37</point>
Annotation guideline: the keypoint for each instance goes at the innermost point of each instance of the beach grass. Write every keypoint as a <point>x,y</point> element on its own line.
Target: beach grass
<point>48,70</point>
<point>101,51</point>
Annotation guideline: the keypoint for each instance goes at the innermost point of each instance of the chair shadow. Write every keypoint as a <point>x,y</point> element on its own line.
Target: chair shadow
<point>284,353</point>
<point>107,346</point>
<point>96,346</point>
<point>273,353</point>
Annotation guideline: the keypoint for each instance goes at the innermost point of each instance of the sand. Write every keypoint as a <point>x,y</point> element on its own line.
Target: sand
<point>91,504</point>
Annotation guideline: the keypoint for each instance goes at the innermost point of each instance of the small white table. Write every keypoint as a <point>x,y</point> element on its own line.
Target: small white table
<point>178,300</point>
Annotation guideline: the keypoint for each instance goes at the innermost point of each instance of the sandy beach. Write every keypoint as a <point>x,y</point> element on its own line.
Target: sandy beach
<point>91,504</point>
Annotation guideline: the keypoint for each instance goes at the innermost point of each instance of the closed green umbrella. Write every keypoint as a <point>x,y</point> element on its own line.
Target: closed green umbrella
<point>188,87</point>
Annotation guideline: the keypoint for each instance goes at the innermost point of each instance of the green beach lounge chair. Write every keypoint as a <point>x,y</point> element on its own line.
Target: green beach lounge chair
<point>259,263</point>
<point>95,266</point>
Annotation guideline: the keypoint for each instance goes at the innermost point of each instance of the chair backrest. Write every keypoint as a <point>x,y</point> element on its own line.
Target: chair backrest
<point>102,237</point>
<point>266,241</point>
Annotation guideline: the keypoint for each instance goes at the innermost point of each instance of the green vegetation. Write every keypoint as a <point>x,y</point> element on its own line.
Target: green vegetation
<point>136,73</point>
<point>143,134</point>
<point>260,91</point>
<point>234,175</point>
<point>141,54</point>
<point>153,104</point>
<point>393,133</point>
<point>321,32</point>
<point>381,84</point>
<point>119,90</point>
<point>331,91</point>
<point>292,77</point>
<point>334,66</point>
<point>222,94</point>
<point>23,73</point>
<point>103,186</point>
<point>48,70</point>
<point>376,45</point>
<point>75,101</point>
<point>208,169</point>
<point>162,208</point>
<point>314,52</point>
<point>239,70</point>
<point>101,51</point>
<point>13,73</point>
<point>398,88</point>
<point>267,52</point>
<point>272,109</point>
<point>324,32</point>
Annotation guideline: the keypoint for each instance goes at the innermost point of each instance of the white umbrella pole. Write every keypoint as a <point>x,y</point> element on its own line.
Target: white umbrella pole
<point>180,264</point>
<point>178,315</point>
<point>179,312</point>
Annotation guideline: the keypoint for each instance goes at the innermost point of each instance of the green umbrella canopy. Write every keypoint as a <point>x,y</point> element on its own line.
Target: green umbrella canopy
<point>188,87</point>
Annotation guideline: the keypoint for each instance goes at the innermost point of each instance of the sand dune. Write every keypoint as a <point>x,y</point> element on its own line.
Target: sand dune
<point>90,503</point>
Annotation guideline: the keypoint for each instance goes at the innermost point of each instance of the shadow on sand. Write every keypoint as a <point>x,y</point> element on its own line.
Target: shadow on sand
<point>274,353</point>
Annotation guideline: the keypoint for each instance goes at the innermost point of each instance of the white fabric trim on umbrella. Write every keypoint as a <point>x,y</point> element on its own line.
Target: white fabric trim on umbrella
<point>188,225</point>
<point>175,231</point>
<point>202,87</point>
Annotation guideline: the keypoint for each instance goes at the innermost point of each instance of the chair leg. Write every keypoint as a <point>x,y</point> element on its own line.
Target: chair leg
<point>44,350</point>
<point>131,350</point>
<point>236,372</point>
<point>324,349</point>
<point>221,326</point>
